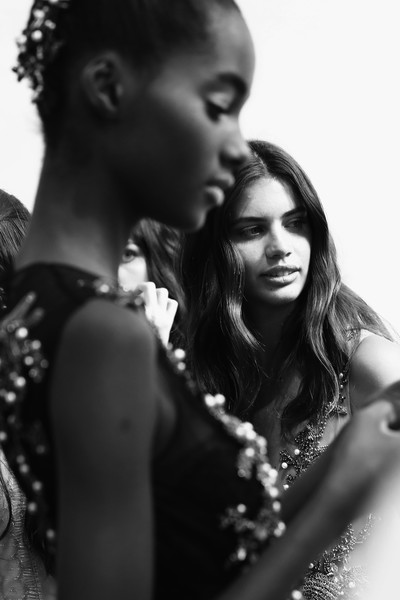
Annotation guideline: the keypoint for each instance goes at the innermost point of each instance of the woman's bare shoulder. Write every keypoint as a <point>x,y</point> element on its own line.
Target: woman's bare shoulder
<point>374,366</point>
<point>105,371</point>
<point>104,320</point>
<point>104,421</point>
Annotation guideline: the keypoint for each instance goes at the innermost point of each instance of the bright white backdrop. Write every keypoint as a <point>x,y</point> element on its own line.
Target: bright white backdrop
<point>326,89</point>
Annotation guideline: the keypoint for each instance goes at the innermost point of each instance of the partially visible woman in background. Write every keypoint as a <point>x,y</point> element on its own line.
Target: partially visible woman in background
<point>149,265</point>
<point>272,326</point>
<point>22,574</point>
<point>14,219</point>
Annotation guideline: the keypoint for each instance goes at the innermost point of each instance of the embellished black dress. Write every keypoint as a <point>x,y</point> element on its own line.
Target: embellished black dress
<point>215,500</point>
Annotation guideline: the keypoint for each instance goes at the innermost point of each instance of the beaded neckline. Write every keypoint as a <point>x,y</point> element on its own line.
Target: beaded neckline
<point>307,441</point>
<point>23,361</point>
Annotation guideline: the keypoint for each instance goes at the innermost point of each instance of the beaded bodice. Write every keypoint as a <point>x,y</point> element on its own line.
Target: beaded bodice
<point>331,576</point>
<point>22,575</point>
<point>213,482</point>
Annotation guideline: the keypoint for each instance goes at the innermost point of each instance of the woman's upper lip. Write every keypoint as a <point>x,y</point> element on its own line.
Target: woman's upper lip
<point>280,271</point>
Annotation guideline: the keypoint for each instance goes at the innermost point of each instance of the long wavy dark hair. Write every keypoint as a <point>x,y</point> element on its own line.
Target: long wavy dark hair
<point>224,353</point>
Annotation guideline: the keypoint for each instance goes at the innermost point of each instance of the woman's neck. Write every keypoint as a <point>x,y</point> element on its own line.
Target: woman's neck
<point>77,220</point>
<point>268,323</point>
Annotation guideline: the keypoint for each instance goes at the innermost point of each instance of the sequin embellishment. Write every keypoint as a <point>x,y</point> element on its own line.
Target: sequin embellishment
<point>22,360</point>
<point>252,533</point>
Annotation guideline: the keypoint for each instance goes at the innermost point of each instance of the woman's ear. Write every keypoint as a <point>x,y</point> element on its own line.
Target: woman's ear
<point>103,84</point>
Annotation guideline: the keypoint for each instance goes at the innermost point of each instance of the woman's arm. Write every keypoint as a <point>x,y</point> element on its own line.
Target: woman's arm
<point>103,419</point>
<point>323,500</point>
<point>375,366</point>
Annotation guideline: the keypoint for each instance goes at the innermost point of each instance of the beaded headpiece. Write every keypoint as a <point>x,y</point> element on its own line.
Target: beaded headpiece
<point>39,43</point>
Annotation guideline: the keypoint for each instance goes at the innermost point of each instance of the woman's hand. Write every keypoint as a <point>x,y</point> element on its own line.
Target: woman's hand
<point>160,309</point>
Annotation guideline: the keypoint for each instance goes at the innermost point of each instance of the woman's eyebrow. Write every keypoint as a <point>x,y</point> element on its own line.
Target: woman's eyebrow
<point>298,211</point>
<point>248,219</point>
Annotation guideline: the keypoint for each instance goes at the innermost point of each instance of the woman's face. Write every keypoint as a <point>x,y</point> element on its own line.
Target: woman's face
<point>271,231</point>
<point>179,143</point>
<point>132,269</point>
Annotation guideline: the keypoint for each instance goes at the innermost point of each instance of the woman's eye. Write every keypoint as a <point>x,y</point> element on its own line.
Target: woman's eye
<point>249,232</point>
<point>215,110</point>
<point>297,223</point>
<point>131,252</point>
<point>219,104</point>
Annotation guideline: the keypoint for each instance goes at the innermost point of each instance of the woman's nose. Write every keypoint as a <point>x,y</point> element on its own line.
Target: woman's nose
<point>236,149</point>
<point>278,244</point>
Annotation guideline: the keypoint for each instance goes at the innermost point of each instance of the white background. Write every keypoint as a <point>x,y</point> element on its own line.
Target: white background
<point>326,90</point>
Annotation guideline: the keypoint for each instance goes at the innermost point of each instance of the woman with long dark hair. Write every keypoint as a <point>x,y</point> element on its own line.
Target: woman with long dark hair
<point>149,265</point>
<point>273,327</point>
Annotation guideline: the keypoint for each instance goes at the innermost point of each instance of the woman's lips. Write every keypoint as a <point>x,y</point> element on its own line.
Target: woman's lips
<point>280,271</point>
<point>280,275</point>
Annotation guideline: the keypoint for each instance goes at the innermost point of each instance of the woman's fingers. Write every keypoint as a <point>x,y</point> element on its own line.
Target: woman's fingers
<point>162,298</point>
<point>148,292</point>
<point>172,307</point>
<point>159,307</point>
